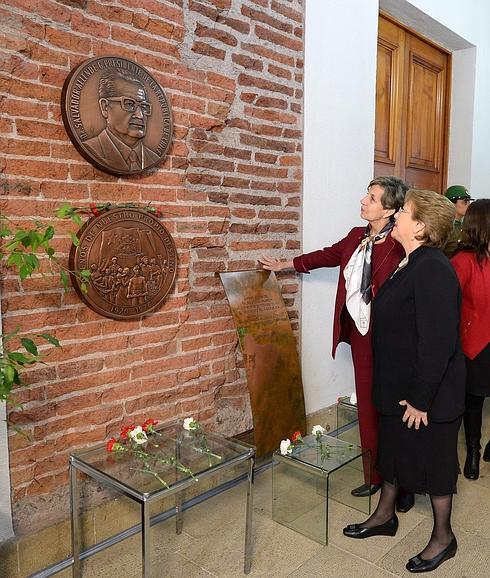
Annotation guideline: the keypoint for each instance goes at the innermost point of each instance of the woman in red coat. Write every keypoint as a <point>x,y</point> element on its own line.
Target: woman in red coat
<point>366,257</point>
<point>472,265</point>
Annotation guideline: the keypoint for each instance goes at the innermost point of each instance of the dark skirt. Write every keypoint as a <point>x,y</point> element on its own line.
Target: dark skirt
<point>424,461</point>
<point>478,373</point>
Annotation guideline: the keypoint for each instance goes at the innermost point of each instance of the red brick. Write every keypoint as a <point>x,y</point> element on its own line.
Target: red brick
<point>267,144</point>
<point>130,38</point>
<point>265,158</point>
<point>262,171</point>
<point>20,88</point>
<point>247,61</point>
<point>268,53</point>
<point>258,16</point>
<point>271,115</point>
<point>247,80</point>
<point>284,215</point>
<point>287,11</point>
<point>238,25</point>
<point>24,148</point>
<point>249,199</point>
<point>280,72</point>
<point>216,34</point>
<point>208,50</point>
<point>269,102</point>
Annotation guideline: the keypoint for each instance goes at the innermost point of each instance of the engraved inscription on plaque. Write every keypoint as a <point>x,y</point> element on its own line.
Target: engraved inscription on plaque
<point>270,356</point>
<point>117,115</point>
<point>132,262</point>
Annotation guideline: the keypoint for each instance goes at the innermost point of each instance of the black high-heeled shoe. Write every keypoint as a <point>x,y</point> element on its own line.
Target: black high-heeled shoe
<point>418,564</point>
<point>389,528</point>
<point>365,490</point>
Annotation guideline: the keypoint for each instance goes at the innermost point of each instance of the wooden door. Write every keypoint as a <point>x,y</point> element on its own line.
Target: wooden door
<point>412,83</point>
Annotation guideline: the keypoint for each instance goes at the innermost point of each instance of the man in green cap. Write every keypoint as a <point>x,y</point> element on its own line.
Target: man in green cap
<point>460,197</point>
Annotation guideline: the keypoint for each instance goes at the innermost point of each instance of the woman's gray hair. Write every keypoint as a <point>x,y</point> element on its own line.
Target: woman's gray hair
<point>394,192</point>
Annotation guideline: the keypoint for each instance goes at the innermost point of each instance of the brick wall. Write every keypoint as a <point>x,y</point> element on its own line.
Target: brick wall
<point>229,191</point>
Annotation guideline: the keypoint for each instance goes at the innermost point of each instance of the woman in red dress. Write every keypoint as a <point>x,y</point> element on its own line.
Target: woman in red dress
<point>472,265</point>
<point>366,257</point>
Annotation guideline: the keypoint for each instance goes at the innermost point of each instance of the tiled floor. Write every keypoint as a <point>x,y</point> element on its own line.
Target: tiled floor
<point>213,538</point>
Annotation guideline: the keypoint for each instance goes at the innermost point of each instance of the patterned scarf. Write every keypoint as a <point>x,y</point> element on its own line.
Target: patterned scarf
<point>357,274</point>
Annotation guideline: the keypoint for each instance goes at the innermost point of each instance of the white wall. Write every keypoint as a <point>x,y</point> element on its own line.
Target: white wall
<point>340,69</point>
<point>340,72</point>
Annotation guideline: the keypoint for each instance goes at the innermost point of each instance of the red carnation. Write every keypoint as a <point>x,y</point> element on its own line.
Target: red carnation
<point>94,209</point>
<point>296,435</point>
<point>149,424</point>
<point>126,430</point>
<point>110,444</point>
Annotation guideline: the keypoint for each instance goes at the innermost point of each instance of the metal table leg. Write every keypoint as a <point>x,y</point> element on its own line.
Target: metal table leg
<point>145,538</point>
<point>179,513</point>
<point>75,520</point>
<point>248,523</point>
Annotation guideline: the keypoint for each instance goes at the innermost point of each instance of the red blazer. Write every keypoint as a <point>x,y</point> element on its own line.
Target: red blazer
<point>385,259</point>
<point>475,312</point>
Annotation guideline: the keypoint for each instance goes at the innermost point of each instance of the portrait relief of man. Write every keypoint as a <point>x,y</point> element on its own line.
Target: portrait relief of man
<point>117,115</point>
<point>125,107</point>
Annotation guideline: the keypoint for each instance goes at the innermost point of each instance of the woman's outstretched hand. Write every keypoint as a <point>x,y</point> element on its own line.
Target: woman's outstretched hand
<point>272,264</point>
<point>413,416</point>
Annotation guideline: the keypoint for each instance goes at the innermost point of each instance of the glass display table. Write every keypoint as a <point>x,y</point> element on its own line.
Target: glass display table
<point>304,481</point>
<point>176,459</point>
<point>347,421</point>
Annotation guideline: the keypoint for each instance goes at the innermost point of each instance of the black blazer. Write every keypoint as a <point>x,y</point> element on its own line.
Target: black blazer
<point>416,345</point>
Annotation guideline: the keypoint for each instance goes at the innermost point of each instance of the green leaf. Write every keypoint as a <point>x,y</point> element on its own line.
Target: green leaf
<point>48,233</point>
<point>12,245</point>
<point>4,232</point>
<point>83,287</point>
<point>15,258</point>
<point>74,239</point>
<point>85,273</point>
<point>50,252</point>
<point>63,211</point>
<point>19,358</point>
<point>31,260</point>
<point>50,339</point>
<point>25,271</point>
<point>29,345</point>
<point>8,375</point>
<point>21,234</point>
<point>64,278</point>
<point>76,219</point>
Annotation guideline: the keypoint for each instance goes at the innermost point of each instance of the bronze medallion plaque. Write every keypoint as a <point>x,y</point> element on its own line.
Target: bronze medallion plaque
<point>132,262</point>
<point>117,115</point>
<point>270,356</point>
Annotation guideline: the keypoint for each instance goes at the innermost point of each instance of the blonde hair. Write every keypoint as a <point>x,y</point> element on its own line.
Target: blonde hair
<point>436,212</point>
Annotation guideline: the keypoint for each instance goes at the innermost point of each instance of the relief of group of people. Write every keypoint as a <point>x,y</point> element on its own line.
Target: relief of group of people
<point>126,286</point>
<point>413,302</point>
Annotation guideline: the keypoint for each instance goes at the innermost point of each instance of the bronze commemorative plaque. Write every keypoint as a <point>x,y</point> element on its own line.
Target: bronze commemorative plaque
<point>270,356</point>
<point>117,115</point>
<point>132,261</point>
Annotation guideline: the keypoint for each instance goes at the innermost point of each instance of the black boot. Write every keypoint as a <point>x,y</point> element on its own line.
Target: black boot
<point>472,420</point>
<point>486,453</point>
<point>472,463</point>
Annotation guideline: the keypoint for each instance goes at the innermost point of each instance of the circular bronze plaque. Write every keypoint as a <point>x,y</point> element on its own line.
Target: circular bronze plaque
<point>117,115</point>
<point>132,262</point>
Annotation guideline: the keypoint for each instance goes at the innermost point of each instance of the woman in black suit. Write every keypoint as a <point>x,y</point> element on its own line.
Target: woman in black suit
<point>419,376</point>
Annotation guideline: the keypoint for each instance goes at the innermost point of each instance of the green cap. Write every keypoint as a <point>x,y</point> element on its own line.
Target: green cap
<point>458,192</point>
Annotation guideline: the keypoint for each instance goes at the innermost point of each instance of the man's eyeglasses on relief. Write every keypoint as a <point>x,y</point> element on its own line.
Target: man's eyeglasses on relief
<point>130,104</point>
